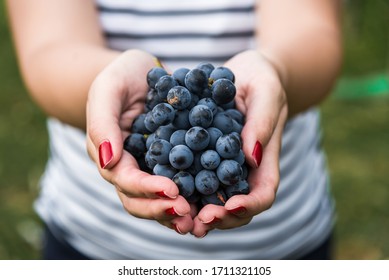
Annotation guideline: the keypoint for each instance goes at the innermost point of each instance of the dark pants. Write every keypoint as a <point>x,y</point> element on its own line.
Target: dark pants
<point>55,249</point>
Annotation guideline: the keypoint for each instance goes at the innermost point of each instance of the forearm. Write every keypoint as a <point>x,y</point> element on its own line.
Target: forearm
<point>304,43</point>
<point>58,77</point>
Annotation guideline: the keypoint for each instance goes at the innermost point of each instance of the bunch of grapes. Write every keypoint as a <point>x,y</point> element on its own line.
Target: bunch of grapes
<point>190,133</point>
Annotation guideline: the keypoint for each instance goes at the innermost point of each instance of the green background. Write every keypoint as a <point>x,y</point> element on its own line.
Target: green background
<point>356,136</point>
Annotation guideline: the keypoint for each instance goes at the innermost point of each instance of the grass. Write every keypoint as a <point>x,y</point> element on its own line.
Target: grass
<point>356,140</point>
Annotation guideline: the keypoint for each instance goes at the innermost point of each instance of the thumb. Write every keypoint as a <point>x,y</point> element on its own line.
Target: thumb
<point>262,115</point>
<point>104,135</point>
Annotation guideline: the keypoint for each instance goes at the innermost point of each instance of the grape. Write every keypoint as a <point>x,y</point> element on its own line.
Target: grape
<point>159,151</point>
<point>138,126</point>
<point>206,67</point>
<point>201,115</point>
<point>179,97</point>
<point>214,134</point>
<point>206,182</point>
<point>190,131</point>
<point>135,144</point>
<point>197,138</point>
<point>163,114</point>
<point>181,120</point>
<point>210,159</point>
<point>222,72</point>
<point>149,122</point>
<point>242,187</point>
<point>178,137</point>
<point>165,170</point>
<point>223,91</point>
<point>217,198</point>
<point>196,80</point>
<point>228,145</point>
<point>223,122</point>
<point>185,183</point>
<point>164,132</point>
<point>229,172</point>
<point>154,75</point>
<point>209,103</point>
<point>179,75</point>
<point>181,157</point>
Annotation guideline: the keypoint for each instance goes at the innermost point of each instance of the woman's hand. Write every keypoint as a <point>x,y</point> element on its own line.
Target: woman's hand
<point>115,99</point>
<point>261,97</point>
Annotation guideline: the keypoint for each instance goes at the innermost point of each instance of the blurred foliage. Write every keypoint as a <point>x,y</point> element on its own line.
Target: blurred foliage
<point>356,140</point>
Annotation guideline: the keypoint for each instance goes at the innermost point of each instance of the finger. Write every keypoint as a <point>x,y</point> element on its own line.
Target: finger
<point>130,180</point>
<point>155,209</point>
<point>263,181</point>
<point>181,225</point>
<point>261,119</point>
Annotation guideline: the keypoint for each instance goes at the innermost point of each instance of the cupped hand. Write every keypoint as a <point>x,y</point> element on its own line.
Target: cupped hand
<point>115,99</point>
<point>261,97</point>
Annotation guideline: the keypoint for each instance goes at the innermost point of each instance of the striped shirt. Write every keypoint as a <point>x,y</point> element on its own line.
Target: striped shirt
<point>82,208</point>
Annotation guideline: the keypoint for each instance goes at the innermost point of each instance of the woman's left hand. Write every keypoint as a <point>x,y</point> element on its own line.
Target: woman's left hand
<point>262,99</point>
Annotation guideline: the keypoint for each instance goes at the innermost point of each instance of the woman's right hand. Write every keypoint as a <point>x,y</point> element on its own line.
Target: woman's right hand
<point>115,99</point>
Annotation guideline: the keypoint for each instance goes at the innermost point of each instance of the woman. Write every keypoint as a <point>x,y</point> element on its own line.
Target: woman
<point>85,63</point>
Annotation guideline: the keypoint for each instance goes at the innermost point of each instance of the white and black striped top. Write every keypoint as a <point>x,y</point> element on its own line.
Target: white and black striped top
<point>82,208</point>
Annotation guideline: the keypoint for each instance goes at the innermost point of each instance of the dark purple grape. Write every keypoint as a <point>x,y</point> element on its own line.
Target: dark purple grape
<point>223,91</point>
<point>210,159</point>
<point>179,97</point>
<point>201,115</point>
<point>151,162</point>
<point>229,172</point>
<point>159,151</point>
<point>206,182</point>
<point>181,120</point>
<point>163,114</point>
<point>181,157</point>
<point>135,144</point>
<point>214,134</point>
<point>178,137</point>
<point>164,132</point>
<point>235,115</point>
<point>149,140</point>
<point>163,86</point>
<point>196,80</point>
<point>138,126</point>
<point>165,170</point>
<point>228,146</point>
<point>242,187</point>
<point>222,72</point>
<point>223,122</point>
<point>179,75</point>
<point>197,138</point>
<point>217,198</point>
<point>196,166</point>
<point>206,67</point>
<point>185,183</point>
<point>152,99</point>
<point>210,103</point>
<point>154,75</point>
<point>149,122</point>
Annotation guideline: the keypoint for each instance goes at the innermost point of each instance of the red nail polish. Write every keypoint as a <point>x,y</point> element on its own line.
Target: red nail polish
<point>257,153</point>
<point>214,221</point>
<point>105,153</point>
<point>238,210</point>
<point>172,212</point>
<point>162,194</point>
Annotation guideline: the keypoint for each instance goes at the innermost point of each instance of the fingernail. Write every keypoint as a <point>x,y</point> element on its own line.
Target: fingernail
<point>213,222</point>
<point>257,153</point>
<point>164,195</point>
<point>238,211</point>
<point>202,236</point>
<point>177,229</point>
<point>172,212</point>
<point>105,153</point>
